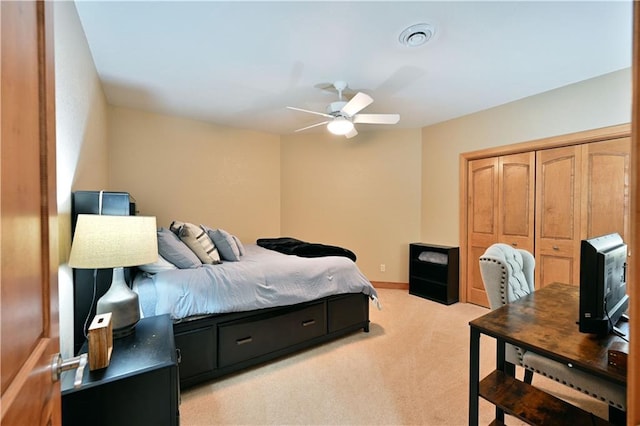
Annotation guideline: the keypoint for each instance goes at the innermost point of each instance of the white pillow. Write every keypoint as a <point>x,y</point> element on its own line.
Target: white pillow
<point>159,265</point>
<point>200,243</point>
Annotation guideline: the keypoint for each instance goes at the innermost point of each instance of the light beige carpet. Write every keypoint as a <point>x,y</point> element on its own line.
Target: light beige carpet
<point>412,368</point>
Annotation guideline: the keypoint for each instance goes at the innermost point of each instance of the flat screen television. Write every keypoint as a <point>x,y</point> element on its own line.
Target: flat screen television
<point>603,283</point>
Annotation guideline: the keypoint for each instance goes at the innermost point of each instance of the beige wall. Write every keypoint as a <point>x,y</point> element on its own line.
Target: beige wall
<point>374,194</point>
<point>81,138</point>
<point>192,171</point>
<point>361,193</point>
<point>595,103</point>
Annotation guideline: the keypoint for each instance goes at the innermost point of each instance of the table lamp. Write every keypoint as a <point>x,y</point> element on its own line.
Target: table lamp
<point>102,241</point>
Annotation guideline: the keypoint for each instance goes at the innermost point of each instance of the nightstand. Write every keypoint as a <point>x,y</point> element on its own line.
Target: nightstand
<point>139,387</point>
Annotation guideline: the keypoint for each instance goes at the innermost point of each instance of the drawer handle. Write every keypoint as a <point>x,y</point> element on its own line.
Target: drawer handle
<point>245,340</point>
<point>556,248</point>
<point>514,244</point>
<point>308,323</point>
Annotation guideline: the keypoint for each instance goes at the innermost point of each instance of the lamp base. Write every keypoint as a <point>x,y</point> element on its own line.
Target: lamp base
<point>123,304</point>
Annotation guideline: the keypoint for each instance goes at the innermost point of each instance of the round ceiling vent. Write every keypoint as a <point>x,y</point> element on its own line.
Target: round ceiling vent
<point>416,35</point>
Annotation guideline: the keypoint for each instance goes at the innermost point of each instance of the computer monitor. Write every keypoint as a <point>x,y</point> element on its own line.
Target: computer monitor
<point>603,283</point>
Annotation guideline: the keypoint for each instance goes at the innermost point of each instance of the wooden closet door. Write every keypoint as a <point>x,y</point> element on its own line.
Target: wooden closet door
<point>516,195</point>
<point>482,223</point>
<point>501,209</point>
<point>606,175</point>
<point>558,206</point>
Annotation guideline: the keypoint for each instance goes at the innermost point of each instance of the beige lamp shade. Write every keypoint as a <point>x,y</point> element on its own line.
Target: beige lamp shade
<point>102,241</point>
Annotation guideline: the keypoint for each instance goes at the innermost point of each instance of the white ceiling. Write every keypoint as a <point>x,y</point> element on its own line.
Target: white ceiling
<point>240,63</point>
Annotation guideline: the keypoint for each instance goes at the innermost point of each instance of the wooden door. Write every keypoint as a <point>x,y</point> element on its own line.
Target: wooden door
<point>606,176</point>
<point>28,227</point>
<point>558,191</point>
<point>482,226</point>
<point>501,209</point>
<point>516,195</point>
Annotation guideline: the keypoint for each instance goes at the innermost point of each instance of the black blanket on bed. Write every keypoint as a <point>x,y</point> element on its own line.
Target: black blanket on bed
<point>296,247</point>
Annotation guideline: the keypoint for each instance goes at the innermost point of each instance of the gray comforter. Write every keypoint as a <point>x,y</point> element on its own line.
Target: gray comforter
<point>262,278</point>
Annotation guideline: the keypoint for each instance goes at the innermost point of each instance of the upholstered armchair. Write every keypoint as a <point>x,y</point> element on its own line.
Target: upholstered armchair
<point>507,274</point>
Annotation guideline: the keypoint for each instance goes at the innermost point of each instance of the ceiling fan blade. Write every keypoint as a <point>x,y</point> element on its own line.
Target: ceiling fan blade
<point>313,125</point>
<point>310,112</point>
<point>352,133</point>
<point>377,118</point>
<point>359,102</point>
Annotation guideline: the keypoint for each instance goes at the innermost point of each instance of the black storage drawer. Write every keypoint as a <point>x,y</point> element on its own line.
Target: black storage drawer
<point>346,311</point>
<point>259,335</point>
<point>197,350</point>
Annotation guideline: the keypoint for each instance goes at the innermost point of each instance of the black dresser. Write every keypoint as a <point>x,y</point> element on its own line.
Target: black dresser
<point>434,272</point>
<point>139,387</point>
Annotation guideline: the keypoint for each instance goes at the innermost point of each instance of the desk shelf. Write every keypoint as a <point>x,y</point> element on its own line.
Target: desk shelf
<point>543,322</point>
<point>532,405</point>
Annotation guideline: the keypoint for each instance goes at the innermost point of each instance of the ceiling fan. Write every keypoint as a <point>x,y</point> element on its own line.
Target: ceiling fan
<point>342,115</point>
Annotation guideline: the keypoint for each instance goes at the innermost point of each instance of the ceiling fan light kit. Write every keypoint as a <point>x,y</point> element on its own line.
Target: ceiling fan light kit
<point>342,115</point>
<point>340,126</point>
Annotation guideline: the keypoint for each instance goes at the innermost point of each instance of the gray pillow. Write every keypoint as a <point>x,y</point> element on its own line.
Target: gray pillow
<point>159,265</point>
<point>175,251</point>
<point>239,244</point>
<point>224,242</point>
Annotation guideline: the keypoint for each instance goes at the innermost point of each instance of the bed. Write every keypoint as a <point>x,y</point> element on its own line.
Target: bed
<point>233,314</point>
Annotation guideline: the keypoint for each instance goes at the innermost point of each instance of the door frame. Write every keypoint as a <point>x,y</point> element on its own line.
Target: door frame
<point>633,370</point>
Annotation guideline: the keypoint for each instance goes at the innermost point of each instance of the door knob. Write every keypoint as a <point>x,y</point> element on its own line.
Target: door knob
<point>58,365</point>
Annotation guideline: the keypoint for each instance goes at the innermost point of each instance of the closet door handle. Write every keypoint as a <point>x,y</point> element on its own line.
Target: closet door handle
<point>244,340</point>
<point>308,322</point>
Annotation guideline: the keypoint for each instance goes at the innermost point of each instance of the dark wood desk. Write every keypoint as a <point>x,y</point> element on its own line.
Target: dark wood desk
<point>544,322</point>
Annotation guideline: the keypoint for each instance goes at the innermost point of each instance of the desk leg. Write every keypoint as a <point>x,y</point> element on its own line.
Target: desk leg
<point>501,365</point>
<point>474,375</point>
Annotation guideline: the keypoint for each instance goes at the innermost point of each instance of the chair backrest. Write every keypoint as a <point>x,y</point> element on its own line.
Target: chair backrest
<point>507,273</point>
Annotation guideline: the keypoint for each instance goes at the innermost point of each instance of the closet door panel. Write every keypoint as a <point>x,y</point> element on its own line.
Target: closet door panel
<point>557,268</point>
<point>482,222</point>
<point>516,200</point>
<point>558,209</point>
<point>606,177</point>
<point>483,184</point>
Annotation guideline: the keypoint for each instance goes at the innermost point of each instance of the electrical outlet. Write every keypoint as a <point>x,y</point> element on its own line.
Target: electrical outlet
<point>383,267</point>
